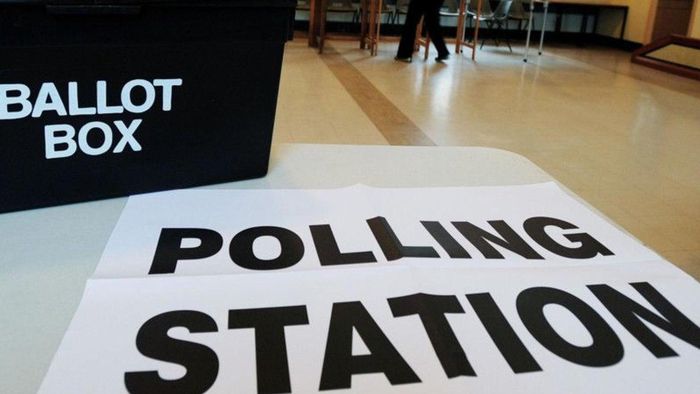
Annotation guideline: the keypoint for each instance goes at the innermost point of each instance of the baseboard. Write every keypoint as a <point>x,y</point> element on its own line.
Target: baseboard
<point>645,56</point>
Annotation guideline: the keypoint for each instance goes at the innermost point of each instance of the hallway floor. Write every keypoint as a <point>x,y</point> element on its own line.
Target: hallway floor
<point>623,137</point>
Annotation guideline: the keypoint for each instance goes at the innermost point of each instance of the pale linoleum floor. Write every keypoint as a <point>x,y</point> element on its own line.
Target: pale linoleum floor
<point>623,137</point>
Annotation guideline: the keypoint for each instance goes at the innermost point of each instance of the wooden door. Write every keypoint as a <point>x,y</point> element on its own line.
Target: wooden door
<point>672,17</point>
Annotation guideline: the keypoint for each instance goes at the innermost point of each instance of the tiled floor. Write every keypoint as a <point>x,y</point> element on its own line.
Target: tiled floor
<point>623,137</point>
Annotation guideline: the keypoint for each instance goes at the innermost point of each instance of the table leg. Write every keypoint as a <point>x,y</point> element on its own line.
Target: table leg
<point>624,23</point>
<point>322,26</point>
<point>581,39</point>
<point>595,21</point>
<point>363,23</point>
<point>544,25</point>
<point>313,16</point>
<point>460,26</point>
<point>476,29</point>
<point>529,30</point>
<point>379,27</point>
<point>372,25</point>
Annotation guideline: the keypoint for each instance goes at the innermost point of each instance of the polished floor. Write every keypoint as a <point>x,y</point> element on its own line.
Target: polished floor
<point>623,137</point>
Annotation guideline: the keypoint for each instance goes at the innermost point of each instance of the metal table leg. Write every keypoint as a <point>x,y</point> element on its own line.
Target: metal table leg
<point>529,30</point>
<point>544,24</point>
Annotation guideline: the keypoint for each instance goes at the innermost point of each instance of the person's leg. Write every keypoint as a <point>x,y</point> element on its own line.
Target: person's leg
<point>432,24</point>
<point>408,35</point>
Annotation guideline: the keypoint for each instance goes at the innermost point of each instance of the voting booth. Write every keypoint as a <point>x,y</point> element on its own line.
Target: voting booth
<point>105,98</point>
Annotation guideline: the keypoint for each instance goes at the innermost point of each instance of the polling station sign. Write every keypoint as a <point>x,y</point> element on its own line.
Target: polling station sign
<point>543,297</point>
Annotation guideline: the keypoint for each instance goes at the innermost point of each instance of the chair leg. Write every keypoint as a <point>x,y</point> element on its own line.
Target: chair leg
<point>497,34</point>
<point>505,37</point>
<point>427,46</point>
<point>322,28</point>
<point>364,21</point>
<point>471,26</point>
<point>501,26</point>
<point>489,25</point>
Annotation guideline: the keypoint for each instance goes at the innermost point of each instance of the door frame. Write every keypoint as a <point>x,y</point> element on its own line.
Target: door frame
<point>653,6</point>
<point>693,17</point>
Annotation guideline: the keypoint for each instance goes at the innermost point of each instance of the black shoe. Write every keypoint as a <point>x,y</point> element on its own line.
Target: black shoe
<point>403,59</point>
<point>442,58</point>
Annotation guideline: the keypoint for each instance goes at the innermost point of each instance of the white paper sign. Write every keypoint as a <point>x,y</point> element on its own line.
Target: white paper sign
<point>550,299</point>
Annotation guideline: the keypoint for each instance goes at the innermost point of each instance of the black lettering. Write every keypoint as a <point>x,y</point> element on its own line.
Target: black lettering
<point>270,344</point>
<point>153,341</point>
<point>630,314</point>
<point>432,309</point>
<point>241,248</point>
<point>169,249</point>
<point>606,348</point>
<point>510,240</point>
<point>590,247</point>
<point>446,241</point>
<point>339,364</point>
<point>391,246</point>
<point>328,251</point>
<point>502,334</point>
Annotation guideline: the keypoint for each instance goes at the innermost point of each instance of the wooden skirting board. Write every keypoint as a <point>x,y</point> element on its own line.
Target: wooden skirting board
<point>642,56</point>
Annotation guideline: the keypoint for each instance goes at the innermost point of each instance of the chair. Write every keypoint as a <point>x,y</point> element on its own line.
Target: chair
<point>518,13</point>
<point>388,9</point>
<point>450,8</point>
<point>497,18</point>
<point>471,9</point>
<point>485,8</point>
<point>401,8</point>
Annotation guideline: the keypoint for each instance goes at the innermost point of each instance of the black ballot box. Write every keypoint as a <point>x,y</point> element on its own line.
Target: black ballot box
<point>108,98</point>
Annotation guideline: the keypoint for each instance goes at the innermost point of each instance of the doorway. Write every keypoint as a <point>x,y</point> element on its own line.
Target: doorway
<point>672,17</point>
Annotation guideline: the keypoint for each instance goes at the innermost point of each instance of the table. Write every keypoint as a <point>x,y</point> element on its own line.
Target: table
<point>47,255</point>
<point>370,24</point>
<point>545,4</point>
<point>586,10</point>
<point>561,8</point>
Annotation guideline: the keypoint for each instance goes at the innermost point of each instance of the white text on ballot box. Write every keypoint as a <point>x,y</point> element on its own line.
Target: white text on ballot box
<point>445,290</point>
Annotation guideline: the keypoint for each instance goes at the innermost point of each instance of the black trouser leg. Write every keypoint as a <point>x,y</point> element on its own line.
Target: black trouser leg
<point>432,24</point>
<point>408,35</point>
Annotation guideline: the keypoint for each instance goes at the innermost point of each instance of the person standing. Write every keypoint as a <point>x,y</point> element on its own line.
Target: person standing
<point>430,10</point>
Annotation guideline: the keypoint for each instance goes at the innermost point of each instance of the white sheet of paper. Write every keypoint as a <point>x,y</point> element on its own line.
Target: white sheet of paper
<point>100,346</point>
